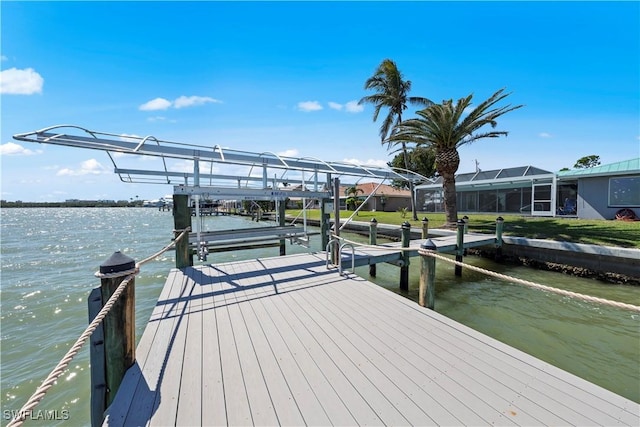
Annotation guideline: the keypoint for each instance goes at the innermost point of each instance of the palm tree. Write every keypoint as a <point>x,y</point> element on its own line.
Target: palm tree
<point>392,93</point>
<point>443,127</point>
<point>352,196</point>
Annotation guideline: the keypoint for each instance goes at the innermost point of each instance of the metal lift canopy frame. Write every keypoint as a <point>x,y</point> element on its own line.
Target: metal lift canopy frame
<point>228,186</point>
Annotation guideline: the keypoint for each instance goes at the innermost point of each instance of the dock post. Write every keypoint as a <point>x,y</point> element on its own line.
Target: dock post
<point>427,292</point>
<point>425,228</point>
<point>404,257</point>
<point>499,227</point>
<point>373,240</point>
<point>325,222</point>
<point>459,246</point>
<point>466,230</point>
<point>281,223</point>
<point>182,220</point>
<point>120,323</point>
<point>96,357</point>
<point>336,221</point>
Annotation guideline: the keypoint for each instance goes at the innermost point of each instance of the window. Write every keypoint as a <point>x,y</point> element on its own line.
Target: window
<point>624,191</point>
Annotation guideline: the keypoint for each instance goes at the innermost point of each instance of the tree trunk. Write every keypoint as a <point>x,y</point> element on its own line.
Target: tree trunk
<point>448,161</point>
<point>414,214</point>
<point>450,206</point>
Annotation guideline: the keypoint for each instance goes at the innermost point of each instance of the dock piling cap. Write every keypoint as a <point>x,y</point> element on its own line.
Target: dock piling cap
<point>116,263</point>
<point>429,245</point>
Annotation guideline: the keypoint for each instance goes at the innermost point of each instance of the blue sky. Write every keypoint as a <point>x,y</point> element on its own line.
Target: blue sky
<point>286,77</point>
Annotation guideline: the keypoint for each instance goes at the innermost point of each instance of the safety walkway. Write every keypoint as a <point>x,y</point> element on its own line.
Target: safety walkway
<point>284,341</point>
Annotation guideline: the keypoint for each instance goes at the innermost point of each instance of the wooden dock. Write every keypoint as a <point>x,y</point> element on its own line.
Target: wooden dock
<point>284,341</point>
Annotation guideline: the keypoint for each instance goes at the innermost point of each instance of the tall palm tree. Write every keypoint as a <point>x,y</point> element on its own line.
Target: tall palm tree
<point>445,128</point>
<point>392,92</point>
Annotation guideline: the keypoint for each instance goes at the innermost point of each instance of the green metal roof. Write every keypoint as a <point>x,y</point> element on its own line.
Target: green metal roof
<point>626,167</point>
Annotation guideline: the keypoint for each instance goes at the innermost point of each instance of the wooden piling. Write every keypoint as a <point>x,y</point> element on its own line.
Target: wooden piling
<point>119,324</point>
<point>425,228</point>
<point>281,222</point>
<point>499,228</point>
<point>182,220</point>
<point>325,225</point>
<point>466,230</point>
<point>373,240</point>
<point>98,402</point>
<point>459,246</point>
<point>404,269</point>
<point>466,224</point>
<point>336,220</point>
<point>427,291</point>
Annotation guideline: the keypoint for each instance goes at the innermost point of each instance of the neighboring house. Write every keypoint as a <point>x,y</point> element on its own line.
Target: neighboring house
<point>593,193</point>
<point>385,199</point>
<point>604,190</point>
<point>296,202</point>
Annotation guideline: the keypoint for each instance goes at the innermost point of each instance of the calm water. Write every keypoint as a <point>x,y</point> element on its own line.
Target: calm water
<point>49,256</point>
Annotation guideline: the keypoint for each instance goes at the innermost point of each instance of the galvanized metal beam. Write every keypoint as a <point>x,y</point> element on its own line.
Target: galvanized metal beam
<point>226,193</point>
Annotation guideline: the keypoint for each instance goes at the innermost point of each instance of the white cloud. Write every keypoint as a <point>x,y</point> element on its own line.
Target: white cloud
<point>349,107</point>
<point>544,135</point>
<point>88,167</point>
<point>292,152</point>
<point>155,104</point>
<point>369,162</point>
<point>180,102</point>
<point>13,149</point>
<point>20,82</point>
<point>308,106</point>
<point>126,137</point>
<point>193,101</point>
<point>353,107</point>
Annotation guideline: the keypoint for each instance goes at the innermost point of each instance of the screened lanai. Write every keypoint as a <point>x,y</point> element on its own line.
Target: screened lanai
<point>523,190</point>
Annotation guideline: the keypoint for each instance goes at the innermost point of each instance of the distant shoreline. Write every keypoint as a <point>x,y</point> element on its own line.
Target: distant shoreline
<point>73,204</point>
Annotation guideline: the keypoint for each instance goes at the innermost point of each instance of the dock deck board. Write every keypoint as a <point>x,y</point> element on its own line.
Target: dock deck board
<point>284,341</point>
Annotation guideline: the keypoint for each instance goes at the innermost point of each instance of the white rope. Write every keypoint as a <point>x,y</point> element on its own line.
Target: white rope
<point>426,252</point>
<point>534,285</point>
<point>61,367</point>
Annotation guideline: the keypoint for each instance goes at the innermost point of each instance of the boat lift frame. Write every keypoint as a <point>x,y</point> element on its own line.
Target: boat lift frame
<point>229,186</point>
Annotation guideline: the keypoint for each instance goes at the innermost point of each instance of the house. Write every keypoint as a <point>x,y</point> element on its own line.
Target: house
<point>385,199</point>
<point>593,193</point>
<point>602,191</point>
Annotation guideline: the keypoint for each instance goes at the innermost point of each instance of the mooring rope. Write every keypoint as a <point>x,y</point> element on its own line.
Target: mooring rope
<point>426,252</point>
<point>61,367</point>
<point>534,285</point>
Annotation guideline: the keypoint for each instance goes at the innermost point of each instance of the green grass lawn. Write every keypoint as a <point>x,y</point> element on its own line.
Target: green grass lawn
<point>597,232</point>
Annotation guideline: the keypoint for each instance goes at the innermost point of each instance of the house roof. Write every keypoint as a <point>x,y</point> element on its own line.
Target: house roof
<point>626,167</point>
<point>506,175</point>
<point>384,190</point>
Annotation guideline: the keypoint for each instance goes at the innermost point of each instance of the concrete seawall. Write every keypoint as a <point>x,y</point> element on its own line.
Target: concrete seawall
<point>612,264</point>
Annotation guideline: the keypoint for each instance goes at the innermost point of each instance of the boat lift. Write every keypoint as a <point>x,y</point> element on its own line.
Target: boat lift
<point>232,174</point>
